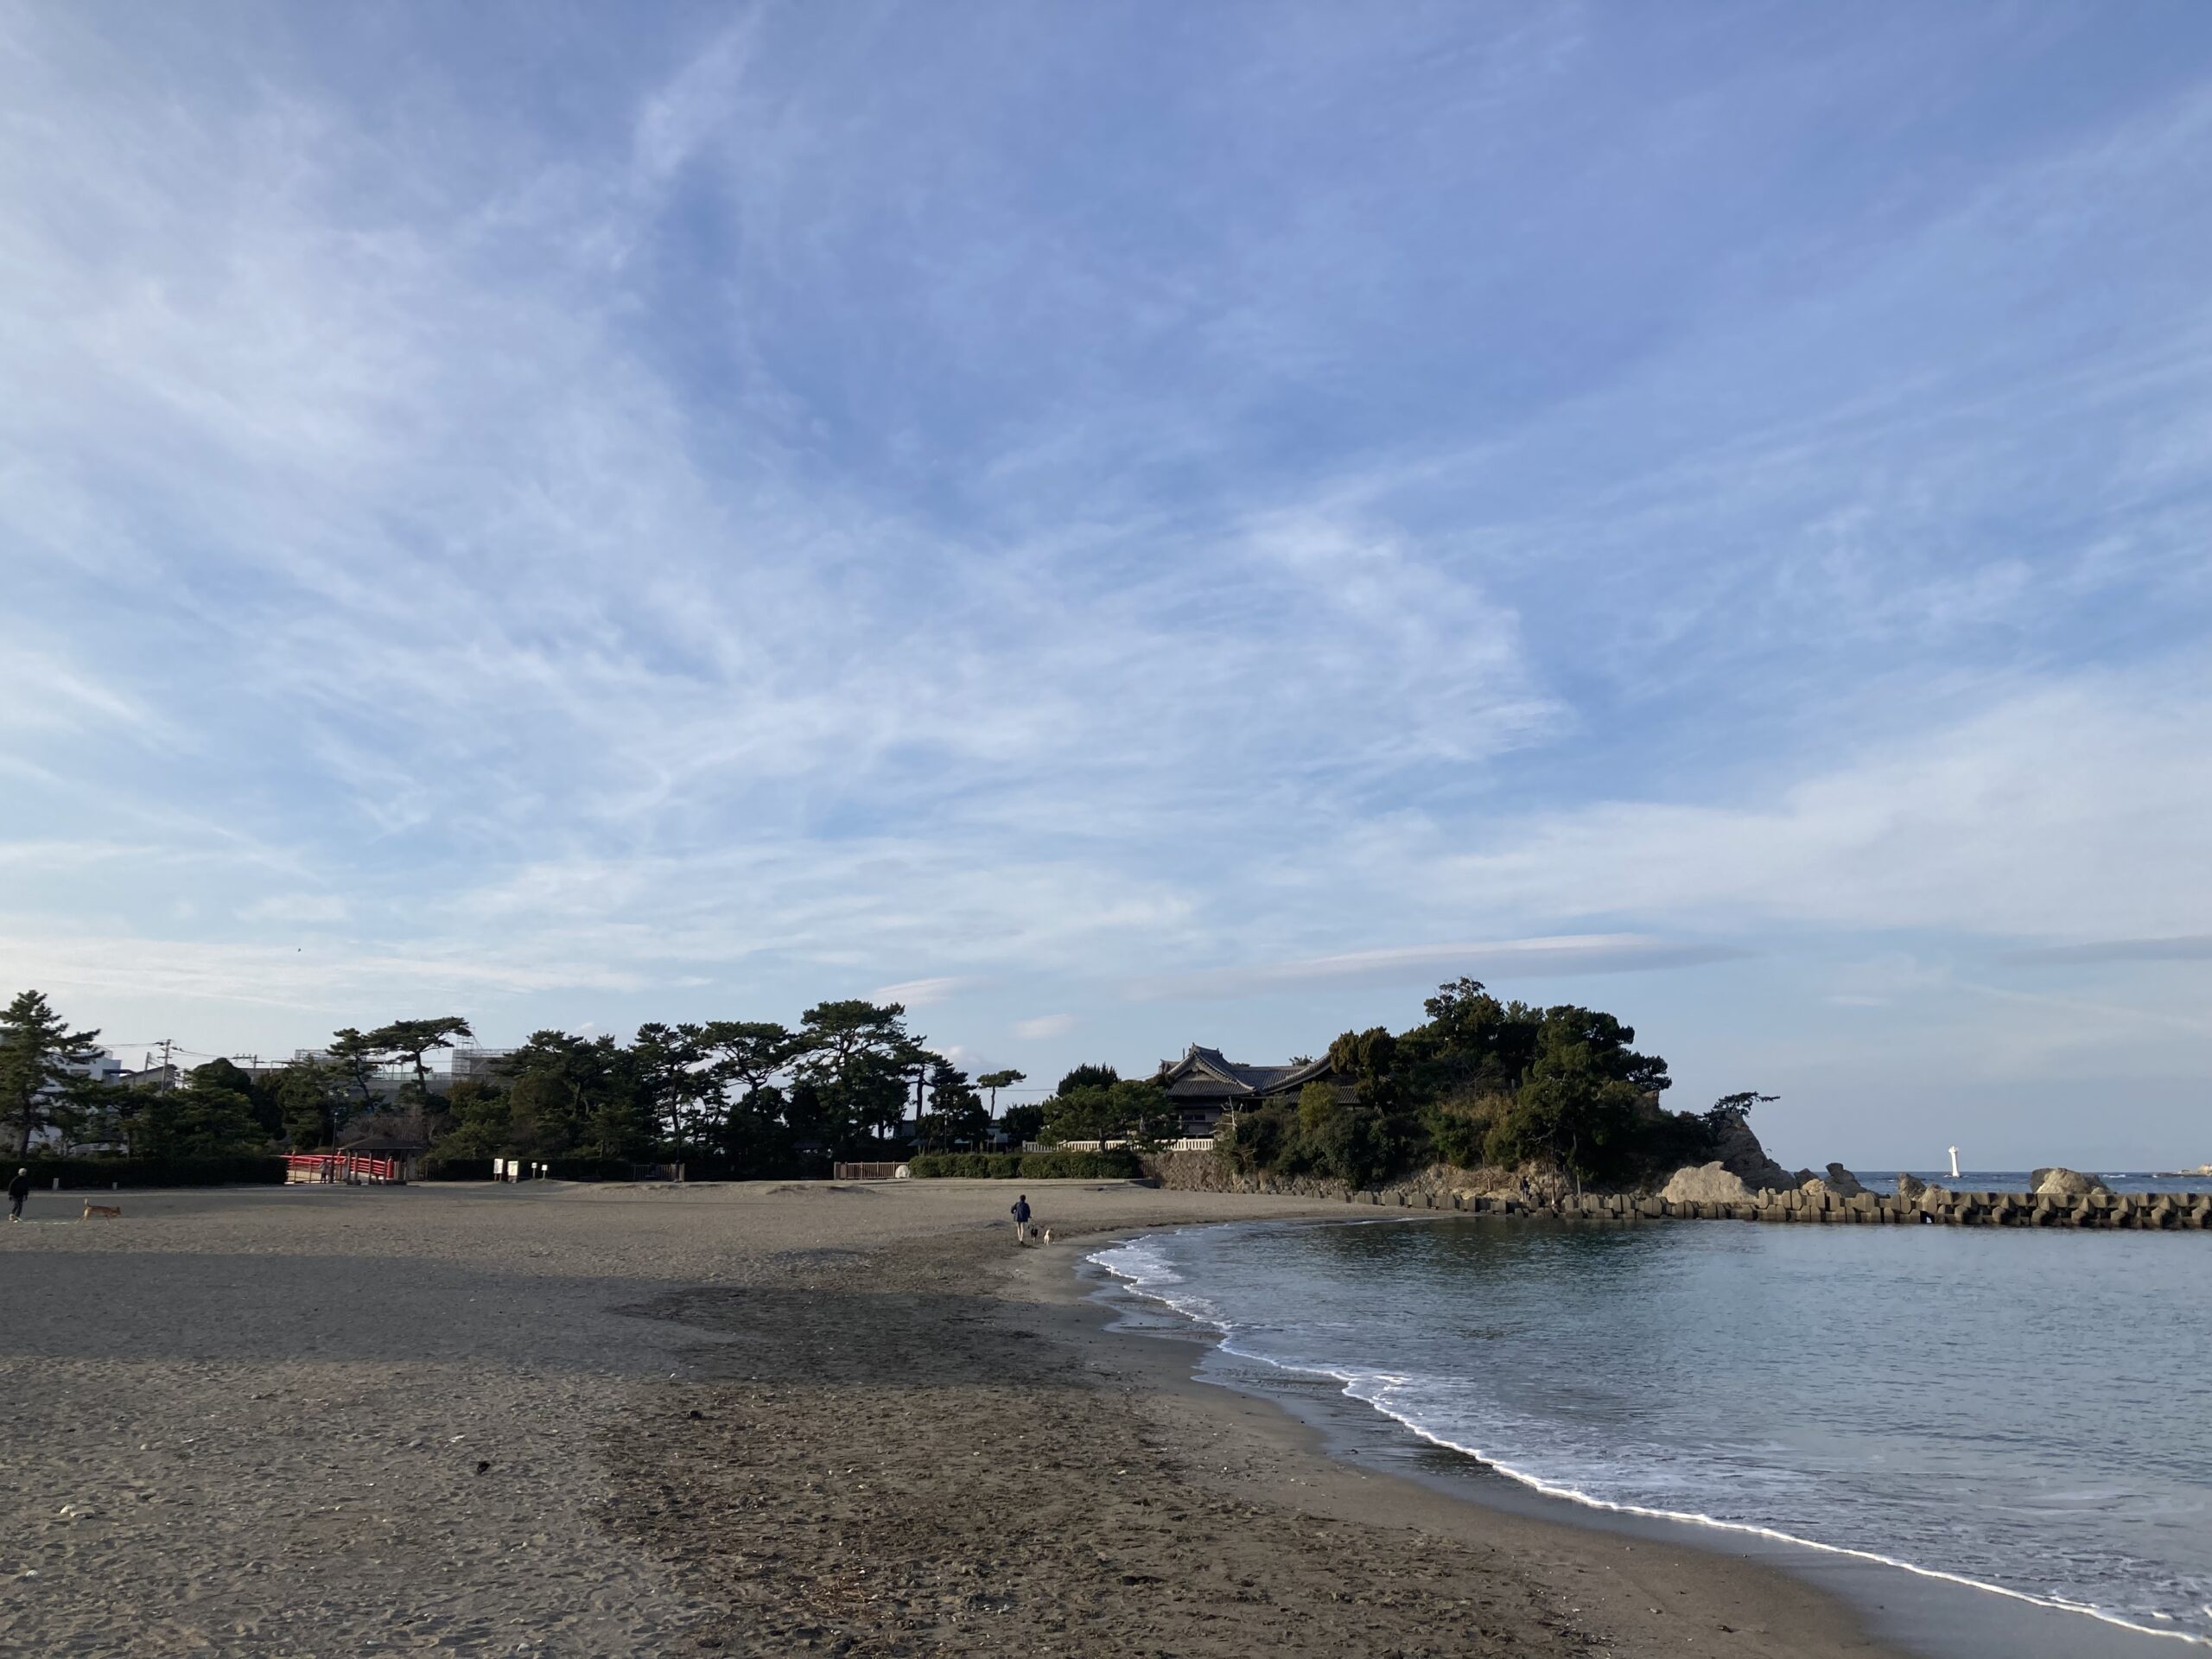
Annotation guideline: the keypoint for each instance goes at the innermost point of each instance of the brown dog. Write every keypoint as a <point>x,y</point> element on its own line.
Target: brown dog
<point>112,1211</point>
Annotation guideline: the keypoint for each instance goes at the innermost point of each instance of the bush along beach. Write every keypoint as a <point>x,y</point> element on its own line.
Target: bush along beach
<point>1120,1164</point>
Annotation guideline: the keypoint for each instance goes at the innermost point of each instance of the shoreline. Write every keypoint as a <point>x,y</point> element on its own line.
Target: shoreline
<point>1924,1610</point>
<point>1648,1588</point>
<point>761,1420</point>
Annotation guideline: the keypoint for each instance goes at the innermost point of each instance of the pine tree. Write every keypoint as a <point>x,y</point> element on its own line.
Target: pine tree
<point>38,1057</point>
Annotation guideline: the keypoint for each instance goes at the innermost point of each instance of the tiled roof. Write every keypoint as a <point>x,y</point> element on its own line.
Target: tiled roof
<point>1207,1070</point>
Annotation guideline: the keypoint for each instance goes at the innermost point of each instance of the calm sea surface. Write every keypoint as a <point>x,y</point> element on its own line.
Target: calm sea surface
<point>2028,1410</point>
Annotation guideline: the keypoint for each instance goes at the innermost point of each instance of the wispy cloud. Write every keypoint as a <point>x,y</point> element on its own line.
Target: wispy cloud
<point>307,907</point>
<point>2187,948</point>
<point>729,510</point>
<point>916,993</point>
<point>1507,960</point>
<point>2051,811</point>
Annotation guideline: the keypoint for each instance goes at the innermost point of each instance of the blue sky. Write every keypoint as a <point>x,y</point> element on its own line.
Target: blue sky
<point>1136,525</point>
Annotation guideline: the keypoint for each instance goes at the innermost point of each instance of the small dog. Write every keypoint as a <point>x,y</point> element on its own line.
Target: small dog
<point>1048,1234</point>
<point>112,1211</point>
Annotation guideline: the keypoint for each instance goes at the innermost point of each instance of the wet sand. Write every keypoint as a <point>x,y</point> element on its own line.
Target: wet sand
<point>759,1419</point>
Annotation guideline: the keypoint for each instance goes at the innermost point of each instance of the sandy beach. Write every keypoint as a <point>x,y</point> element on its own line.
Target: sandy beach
<point>557,1421</point>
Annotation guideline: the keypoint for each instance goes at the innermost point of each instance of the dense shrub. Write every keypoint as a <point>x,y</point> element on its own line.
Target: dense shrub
<point>591,1169</point>
<point>1253,1140</point>
<point>973,1165</point>
<point>1119,1164</point>
<point>436,1168</point>
<point>1322,1134</point>
<point>100,1172</point>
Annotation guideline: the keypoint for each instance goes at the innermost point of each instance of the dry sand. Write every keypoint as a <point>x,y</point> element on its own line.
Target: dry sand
<point>547,1420</point>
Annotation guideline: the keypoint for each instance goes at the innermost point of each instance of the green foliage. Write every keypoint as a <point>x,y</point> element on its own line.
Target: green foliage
<point>956,1116</point>
<point>1117,1165</point>
<point>570,1096</point>
<point>1137,1112</point>
<point>1024,1123</point>
<point>412,1040</point>
<point>1088,1076</point>
<point>1318,1107</point>
<point>678,1090</point>
<point>311,1101</point>
<point>1322,1134</point>
<point>1083,1114</point>
<point>1573,1110</point>
<point>1458,1128</point>
<point>858,1058</point>
<point>1249,1142</point>
<point>970,1166</point>
<point>753,1137</point>
<point>1369,1059</point>
<point>1734,1111</point>
<point>211,1117</point>
<point>38,1053</point>
<point>1482,1081</point>
<point>357,1058</point>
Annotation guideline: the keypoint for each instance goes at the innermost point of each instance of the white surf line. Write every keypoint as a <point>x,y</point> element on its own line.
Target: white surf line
<point>1537,1483</point>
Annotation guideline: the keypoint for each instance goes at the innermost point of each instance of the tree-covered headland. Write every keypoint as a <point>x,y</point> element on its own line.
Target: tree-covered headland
<point>1484,1082</point>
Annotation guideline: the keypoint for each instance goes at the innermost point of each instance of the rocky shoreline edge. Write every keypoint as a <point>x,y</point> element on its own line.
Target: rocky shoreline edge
<point>2061,1197</point>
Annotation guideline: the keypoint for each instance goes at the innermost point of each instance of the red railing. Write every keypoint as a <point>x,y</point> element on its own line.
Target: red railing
<point>352,1167</point>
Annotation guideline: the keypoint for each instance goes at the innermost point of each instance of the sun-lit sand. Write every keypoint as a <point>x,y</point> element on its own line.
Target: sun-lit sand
<point>761,1419</point>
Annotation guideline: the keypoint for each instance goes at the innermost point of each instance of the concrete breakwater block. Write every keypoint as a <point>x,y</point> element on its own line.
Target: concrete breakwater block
<point>1936,1207</point>
<point>1931,1206</point>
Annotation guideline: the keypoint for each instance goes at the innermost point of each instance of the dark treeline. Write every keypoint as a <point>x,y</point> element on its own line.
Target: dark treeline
<point>1481,1081</point>
<point>1484,1082</point>
<point>743,1097</point>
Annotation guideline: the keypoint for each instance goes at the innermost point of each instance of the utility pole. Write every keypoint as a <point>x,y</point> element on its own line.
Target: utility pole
<point>167,1043</point>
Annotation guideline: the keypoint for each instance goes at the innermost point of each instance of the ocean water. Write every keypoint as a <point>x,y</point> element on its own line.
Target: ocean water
<point>2029,1411</point>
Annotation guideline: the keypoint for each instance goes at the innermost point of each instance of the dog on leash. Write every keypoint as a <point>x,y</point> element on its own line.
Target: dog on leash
<point>1048,1234</point>
<point>112,1212</point>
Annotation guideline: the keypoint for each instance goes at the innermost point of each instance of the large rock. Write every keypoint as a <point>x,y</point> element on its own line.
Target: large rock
<point>1739,1152</point>
<point>1838,1183</point>
<point>2064,1184</point>
<point>1711,1183</point>
<point>1912,1189</point>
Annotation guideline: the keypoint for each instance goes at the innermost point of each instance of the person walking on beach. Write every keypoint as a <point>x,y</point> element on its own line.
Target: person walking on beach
<point>18,1190</point>
<point>1021,1219</point>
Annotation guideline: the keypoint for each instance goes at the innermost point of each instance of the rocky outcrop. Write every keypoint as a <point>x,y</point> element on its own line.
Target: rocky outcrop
<point>1912,1189</point>
<point>1739,1152</point>
<point>1712,1183</point>
<point>2064,1184</point>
